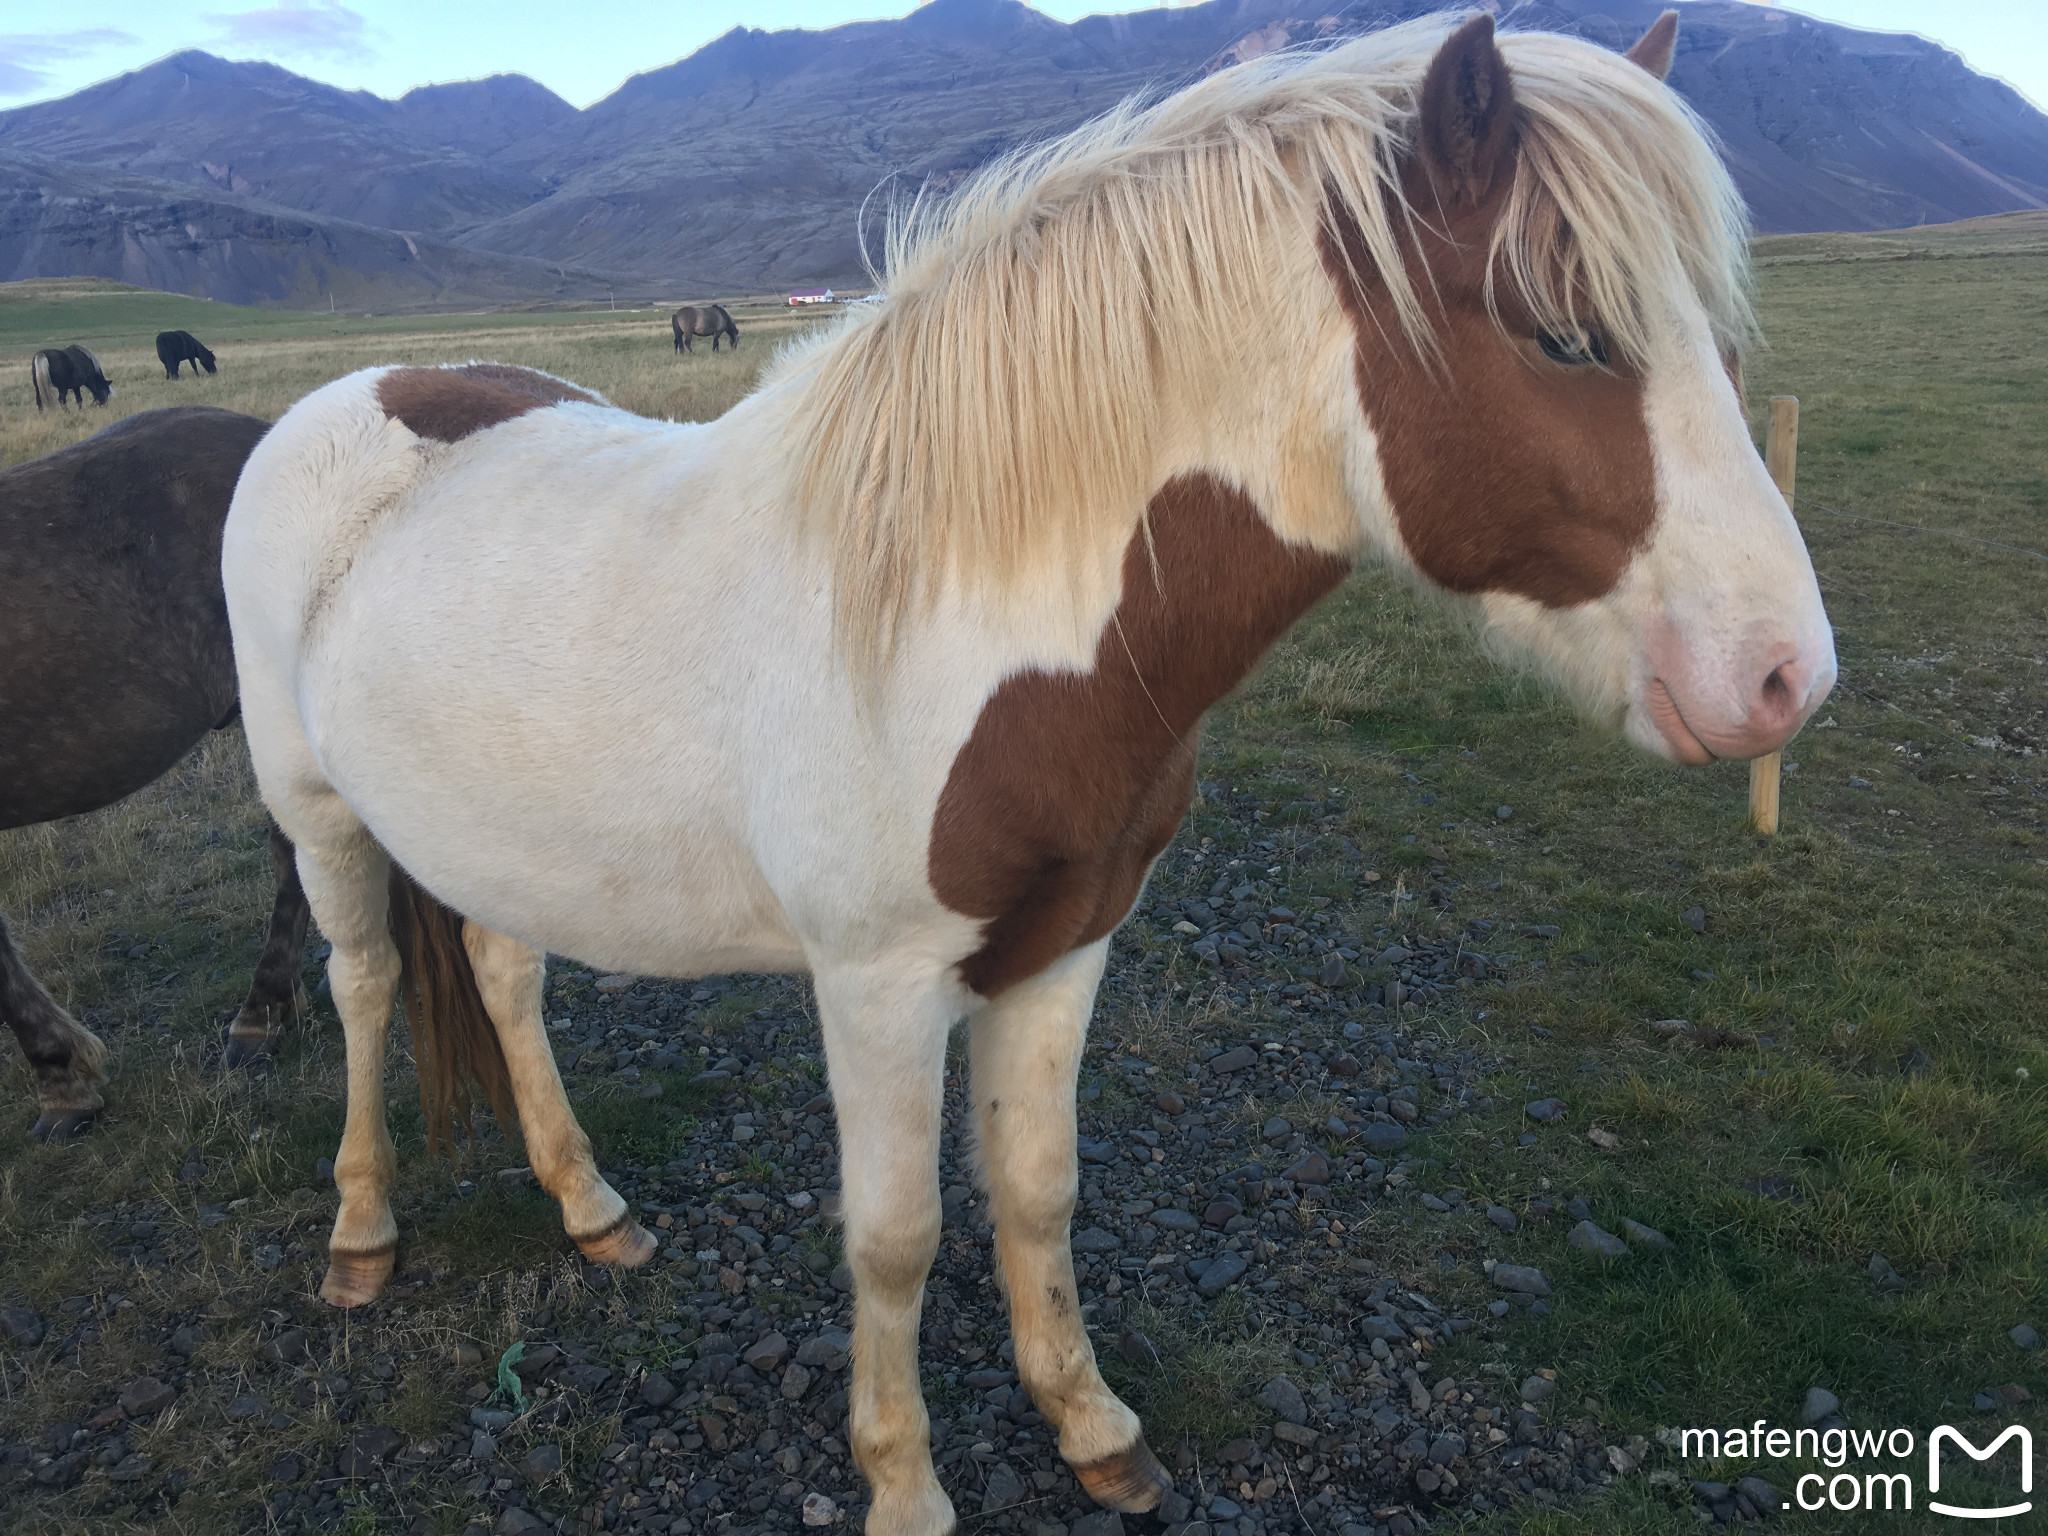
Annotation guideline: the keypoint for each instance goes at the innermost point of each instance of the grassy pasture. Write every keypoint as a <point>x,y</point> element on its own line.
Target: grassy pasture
<point>269,358</point>
<point>1870,983</point>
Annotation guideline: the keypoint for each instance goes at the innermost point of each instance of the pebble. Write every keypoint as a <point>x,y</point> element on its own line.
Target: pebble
<point>1522,1279</point>
<point>21,1325</point>
<point>1502,1217</point>
<point>1694,918</point>
<point>367,1450</point>
<point>145,1397</point>
<point>1820,1402</point>
<point>1597,1242</point>
<point>818,1509</point>
<point>1225,1271</point>
<point>1639,1236</point>
<point>1285,1399</point>
<point>1545,1111</point>
<point>1234,1060</point>
<point>1537,1389</point>
<point>2025,1337</point>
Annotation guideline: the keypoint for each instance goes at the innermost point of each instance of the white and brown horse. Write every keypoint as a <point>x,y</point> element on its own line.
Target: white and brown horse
<point>894,673</point>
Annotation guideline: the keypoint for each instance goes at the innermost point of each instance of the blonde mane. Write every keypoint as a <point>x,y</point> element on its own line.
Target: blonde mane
<point>998,412</point>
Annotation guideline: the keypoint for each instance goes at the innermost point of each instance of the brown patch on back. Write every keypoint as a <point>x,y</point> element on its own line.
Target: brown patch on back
<point>1071,785</point>
<point>448,404</point>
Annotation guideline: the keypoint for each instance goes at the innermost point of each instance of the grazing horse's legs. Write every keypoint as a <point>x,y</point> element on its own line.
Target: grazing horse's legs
<point>885,1026</point>
<point>508,978</point>
<point>66,1057</point>
<point>273,999</point>
<point>1027,1051</point>
<point>345,881</point>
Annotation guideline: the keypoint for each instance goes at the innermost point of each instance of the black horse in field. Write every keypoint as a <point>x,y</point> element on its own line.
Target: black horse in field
<point>703,320</point>
<point>114,661</point>
<point>60,371</point>
<point>175,347</point>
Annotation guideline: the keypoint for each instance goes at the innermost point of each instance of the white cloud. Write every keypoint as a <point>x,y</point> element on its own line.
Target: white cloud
<point>319,28</point>
<point>23,55</point>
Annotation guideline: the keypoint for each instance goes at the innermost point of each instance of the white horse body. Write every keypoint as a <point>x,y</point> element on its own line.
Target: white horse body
<point>599,685</point>
<point>748,820</point>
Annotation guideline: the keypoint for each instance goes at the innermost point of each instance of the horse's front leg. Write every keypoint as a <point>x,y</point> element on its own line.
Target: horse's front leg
<point>1027,1055</point>
<point>885,1042</point>
<point>508,979</point>
<point>67,1058</point>
<point>273,999</point>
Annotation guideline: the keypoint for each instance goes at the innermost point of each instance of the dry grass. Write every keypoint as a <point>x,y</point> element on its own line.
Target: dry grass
<point>627,357</point>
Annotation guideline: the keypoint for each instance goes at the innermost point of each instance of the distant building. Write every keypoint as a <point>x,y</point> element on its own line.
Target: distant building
<point>811,296</point>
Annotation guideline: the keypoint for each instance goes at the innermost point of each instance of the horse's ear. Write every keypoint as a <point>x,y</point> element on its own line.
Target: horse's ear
<point>1653,50</point>
<point>1468,130</point>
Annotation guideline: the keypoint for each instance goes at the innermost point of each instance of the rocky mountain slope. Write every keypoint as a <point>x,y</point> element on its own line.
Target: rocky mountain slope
<point>748,163</point>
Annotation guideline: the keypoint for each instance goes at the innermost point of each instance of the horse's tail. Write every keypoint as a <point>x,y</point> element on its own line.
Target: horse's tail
<point>39,376</point>
<point>454,1041</point>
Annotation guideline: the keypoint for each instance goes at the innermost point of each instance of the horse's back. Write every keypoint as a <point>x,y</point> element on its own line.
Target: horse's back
<point>556,627</point>
<point>111,613</point>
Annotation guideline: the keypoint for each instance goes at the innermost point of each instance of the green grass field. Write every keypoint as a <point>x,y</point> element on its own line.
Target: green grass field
<point>1867,1071</point>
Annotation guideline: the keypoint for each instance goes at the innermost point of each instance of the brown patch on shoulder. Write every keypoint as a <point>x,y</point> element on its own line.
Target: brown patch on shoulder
<point>448,404</point>
<point>1071,785</point>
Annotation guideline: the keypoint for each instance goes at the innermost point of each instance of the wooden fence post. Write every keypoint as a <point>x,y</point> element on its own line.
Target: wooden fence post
<point>1781,458</point>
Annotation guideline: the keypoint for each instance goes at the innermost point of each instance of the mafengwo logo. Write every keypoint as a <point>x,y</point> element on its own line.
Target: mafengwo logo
<point>1962,1443</point>
<point>1848,1483</point>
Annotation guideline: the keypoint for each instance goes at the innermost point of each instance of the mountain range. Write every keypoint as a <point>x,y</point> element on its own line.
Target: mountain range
<point>746,165</point>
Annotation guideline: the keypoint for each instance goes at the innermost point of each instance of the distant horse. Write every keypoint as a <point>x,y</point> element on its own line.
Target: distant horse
<point>117,662</point>
<point>703,320</point>
<point>60,371</point>
<point>905,685</point>
<point>175,347</point>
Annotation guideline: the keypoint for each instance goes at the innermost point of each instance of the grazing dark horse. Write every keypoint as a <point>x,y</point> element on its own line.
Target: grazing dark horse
<point>703,320</point>
<point>175,347</point>
<point>60,371</point>
<point>114,636</point>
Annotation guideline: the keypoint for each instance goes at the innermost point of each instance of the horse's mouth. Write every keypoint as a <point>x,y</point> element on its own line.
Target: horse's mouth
<point>1662,706</point>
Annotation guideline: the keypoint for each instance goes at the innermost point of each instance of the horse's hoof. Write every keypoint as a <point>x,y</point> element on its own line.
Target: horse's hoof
<point>624,1245</point>
<point>354,1278</point>
<point>1131,1481</point>
<point>245,1051</point>
<point>922,1510</point>
<point>63,1124</point>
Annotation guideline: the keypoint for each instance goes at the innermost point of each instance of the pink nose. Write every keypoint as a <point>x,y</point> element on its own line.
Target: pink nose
<point>1790,691</point>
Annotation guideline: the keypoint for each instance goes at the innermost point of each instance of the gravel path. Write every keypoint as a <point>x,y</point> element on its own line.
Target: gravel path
<point>1251,1116</point>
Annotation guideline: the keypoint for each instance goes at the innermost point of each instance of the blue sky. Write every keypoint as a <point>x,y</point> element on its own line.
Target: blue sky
<point>583,53</point>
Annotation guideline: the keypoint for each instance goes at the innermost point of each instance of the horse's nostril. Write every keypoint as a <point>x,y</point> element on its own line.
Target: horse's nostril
<point>1776,689</point>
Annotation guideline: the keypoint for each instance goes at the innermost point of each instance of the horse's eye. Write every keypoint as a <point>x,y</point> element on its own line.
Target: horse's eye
<point>1575,349</point>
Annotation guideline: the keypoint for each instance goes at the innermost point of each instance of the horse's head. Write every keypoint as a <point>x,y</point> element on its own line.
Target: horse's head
<point>1566,450</point>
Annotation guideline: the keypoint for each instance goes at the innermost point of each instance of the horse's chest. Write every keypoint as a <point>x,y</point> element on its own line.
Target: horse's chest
<point>1072,784</point>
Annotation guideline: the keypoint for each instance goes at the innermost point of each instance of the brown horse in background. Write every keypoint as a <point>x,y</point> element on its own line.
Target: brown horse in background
<point>116,663</point>
<point>703,320</point>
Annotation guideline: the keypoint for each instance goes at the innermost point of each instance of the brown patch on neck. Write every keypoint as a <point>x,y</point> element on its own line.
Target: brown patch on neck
<point>448,404</point>
<point>1505,472</point>
<point>1070,786</point>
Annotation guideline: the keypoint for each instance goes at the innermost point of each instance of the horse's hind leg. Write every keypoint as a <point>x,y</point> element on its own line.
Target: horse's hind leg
<point>67,1058</point>
<point>345,879</point>
<point>1026,1054</point>
<point>273,999</point>
<point>508,979</point>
